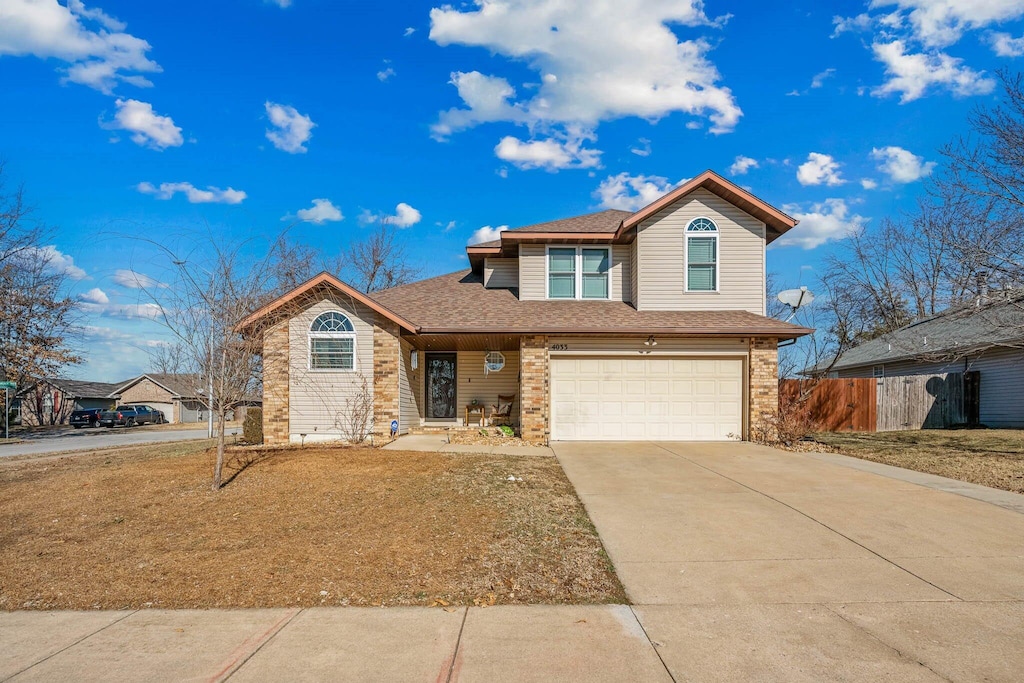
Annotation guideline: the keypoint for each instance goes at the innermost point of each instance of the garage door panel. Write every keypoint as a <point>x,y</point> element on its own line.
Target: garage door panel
<point>647,398</point>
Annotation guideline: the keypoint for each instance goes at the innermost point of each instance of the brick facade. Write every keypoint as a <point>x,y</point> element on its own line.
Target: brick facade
<point>764,383</point>
<point>275,385</point>
<point>535,385</point>
<point>387,354</point>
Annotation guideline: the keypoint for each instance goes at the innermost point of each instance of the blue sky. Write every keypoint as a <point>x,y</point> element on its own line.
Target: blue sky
<point>236,118</point>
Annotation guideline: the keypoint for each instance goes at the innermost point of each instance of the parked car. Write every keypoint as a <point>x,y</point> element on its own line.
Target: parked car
<point>128,416</point>
<point>146,414</point>
<point>89,417</point>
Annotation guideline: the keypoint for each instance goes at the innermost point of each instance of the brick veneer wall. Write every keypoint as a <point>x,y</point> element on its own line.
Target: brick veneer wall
<point>275,385</point>
<point>764,382</point>
<point>387,354</point>
<point>535,383</point>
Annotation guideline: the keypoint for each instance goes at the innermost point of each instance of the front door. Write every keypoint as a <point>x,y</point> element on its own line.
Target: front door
<point>440,389</point>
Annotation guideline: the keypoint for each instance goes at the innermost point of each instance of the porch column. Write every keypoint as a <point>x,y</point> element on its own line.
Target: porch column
<point>387,354</point>
<point>275,386</point>
<point>764,385</point>
<point>535,388</point>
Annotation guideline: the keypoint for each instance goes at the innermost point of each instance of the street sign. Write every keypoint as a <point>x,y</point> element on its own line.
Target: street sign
<point>10,386</point>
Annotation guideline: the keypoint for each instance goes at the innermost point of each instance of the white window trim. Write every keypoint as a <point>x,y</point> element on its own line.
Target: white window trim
<point>878,371</point>
<point>717,234</point>
<point>578,272</point>
<point>311,335</point>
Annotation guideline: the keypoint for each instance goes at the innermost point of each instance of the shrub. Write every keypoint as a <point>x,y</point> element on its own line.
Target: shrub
<point>792,423</point>
<point>252,428</point>
<point>506,430</point>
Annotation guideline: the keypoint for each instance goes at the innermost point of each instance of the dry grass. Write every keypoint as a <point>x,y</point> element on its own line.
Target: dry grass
<point>991,457</point>
<point>139,527</point>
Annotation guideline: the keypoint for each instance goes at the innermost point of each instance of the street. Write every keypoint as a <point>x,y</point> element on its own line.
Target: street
<point>82,439</point>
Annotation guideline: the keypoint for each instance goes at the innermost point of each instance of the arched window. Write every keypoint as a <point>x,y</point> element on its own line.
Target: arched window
<point>332,342</point>
<point>702,255</point>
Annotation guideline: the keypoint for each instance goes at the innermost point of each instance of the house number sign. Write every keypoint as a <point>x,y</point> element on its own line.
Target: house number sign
<point>559,347</point>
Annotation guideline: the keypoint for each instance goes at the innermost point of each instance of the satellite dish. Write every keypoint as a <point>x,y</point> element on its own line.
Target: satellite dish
<point>795,298</point>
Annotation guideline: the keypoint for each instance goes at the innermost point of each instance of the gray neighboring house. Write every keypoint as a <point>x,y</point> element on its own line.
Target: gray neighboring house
<point>57,398</point>
<point>987,338</point>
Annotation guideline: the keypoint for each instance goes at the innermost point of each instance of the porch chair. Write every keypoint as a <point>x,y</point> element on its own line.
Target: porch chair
<point>502,413</point>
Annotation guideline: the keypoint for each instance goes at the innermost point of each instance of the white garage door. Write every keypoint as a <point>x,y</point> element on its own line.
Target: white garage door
<point>166,408</point>
<point>667,399</point>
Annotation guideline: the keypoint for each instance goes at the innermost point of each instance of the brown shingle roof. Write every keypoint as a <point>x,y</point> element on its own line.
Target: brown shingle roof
<point>600,222</point>
<point>458,302</point>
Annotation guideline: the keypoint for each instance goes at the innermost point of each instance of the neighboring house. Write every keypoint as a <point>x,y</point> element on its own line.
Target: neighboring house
<point>51,401</point>
<point>180,397</point>
<point>987,337</point>
<point>612,325</point>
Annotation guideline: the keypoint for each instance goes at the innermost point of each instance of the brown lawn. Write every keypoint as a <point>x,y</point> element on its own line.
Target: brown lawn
<point>991,457</point>
<point>139,527</point>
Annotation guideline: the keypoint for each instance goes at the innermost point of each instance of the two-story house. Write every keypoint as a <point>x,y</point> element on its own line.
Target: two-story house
<point>608,326</point>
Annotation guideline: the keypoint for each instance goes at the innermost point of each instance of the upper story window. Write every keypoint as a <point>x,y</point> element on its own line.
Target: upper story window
<point>578,272</point>
<point>332,342</point>
<point>702,255</point>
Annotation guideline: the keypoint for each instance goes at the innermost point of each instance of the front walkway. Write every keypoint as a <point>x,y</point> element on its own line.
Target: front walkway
<point>745,562</point>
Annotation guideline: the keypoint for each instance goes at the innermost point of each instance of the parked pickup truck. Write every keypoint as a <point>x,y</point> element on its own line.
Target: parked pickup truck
<point>128,416</point>
<point>147,414</point>
<point>85,418</point>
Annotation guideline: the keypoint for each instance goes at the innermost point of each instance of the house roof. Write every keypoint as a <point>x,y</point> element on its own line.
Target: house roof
<point>323,280</point>
<point>184,385</point>
<point>459,303</point>
<point>79,388</point>
<point>951,334</point>
<point>618,226</point>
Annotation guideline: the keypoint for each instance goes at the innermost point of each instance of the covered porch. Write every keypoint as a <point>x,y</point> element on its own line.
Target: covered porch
<point>459,381</point>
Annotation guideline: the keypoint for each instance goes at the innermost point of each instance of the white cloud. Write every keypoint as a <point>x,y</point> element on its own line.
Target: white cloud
<point>590,65</point>
<point>643,149</point>
<point>449,226</point>
<point>134,280</point>
<point>820,78</point>
<point>409,30</point>
<point>291,129</point>
<point>281,3</point>
<point>910,36</point>
<point>741,165</point>
<point>902,166</point>
<point>148,311</point>
<point>211,195</point>
<point>322,211</point>
<point>97,51</point>
<point>94,296</point>
<point>825,222</point>
<point>405,216</point>
<point>486,234</point>
<point>868,183</point>
<point>550,154</point>
<point>819,169</point>
<point>57,261</point>
<point>1005,45</point>
<point>384,75</point>
<point>148,128</point>
<point>912,74</point>
<point>630,193</point>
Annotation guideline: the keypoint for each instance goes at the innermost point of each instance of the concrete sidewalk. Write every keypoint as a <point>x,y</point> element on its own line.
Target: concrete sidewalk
<point>586,643</point>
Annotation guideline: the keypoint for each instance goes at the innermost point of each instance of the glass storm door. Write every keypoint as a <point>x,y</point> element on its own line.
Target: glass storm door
<point>440,386</point>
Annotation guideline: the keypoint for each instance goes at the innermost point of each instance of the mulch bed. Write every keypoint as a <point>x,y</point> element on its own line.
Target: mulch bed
<point>990,457</point>
<point>308,526</point>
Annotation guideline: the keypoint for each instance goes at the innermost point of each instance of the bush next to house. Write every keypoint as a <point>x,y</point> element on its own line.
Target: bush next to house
<point>252,428</point>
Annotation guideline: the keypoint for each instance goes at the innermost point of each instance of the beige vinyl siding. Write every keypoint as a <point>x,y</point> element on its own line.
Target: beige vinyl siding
<point>408,390</point>
<point>634,276</point>
<point>317,397</point>
<point>1001,375</point>
<point>662,259</point>
<point>473,384</point>
<point>533,271</point>
<point>501,273</point>
<point>582,346</point>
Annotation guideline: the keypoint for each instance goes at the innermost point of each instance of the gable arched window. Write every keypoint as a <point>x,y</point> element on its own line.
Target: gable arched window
<point>702,255</point>
<point>332,342</point>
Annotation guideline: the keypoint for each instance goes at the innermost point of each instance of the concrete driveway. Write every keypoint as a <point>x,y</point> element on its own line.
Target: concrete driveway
<point>746,563</point>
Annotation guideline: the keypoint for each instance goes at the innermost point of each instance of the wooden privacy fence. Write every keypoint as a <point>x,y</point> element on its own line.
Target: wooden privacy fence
<point>886,404</point>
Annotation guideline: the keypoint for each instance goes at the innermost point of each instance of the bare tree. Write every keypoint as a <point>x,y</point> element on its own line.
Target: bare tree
<point>37,318</point>
<point>379,261</point>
